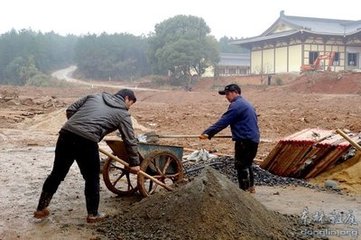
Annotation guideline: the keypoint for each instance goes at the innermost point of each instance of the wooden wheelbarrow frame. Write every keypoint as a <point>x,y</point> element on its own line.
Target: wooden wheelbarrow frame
<point>115,158</point>
<point>160,165</point>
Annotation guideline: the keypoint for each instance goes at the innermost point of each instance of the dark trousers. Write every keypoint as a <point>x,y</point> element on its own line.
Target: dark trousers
<point>245,152</point>
<point>70,147</point>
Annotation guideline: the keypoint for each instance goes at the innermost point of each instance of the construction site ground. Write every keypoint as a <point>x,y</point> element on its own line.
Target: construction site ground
<point>30,119</point>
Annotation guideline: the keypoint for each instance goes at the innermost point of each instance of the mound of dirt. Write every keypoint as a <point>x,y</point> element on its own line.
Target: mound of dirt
<point>328,82</point>
<point>209,207</point>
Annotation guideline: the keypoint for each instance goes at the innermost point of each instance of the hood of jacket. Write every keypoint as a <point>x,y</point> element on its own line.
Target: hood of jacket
<point>114,101</point>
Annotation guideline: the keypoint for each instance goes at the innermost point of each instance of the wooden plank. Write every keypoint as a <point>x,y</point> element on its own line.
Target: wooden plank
<point>349,139</point>
<point>313,155</point>
<point>322,147</point>
<point>327,161</point>
<point>270,157</point>
<point>298,160</point>
<point>294,156</point>
<point>279,158</point>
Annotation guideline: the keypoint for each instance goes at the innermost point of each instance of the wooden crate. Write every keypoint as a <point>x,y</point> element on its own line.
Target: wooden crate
<point>307,153</point>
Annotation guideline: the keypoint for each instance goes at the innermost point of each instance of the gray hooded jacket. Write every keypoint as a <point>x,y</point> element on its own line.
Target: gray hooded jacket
<point>94,116</point>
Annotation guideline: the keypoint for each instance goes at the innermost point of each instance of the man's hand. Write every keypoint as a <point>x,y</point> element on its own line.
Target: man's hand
<point>134,169</point>
<point>203,136</point>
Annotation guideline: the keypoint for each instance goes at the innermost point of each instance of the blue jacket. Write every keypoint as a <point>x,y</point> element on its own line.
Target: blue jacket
<point>242,118</point>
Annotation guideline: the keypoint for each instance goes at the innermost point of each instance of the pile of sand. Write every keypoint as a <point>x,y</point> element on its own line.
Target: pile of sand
<point>348,174</point>
<point>209,207</point>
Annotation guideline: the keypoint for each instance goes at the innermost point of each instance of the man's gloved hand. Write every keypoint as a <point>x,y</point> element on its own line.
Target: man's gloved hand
<point>203,136</point>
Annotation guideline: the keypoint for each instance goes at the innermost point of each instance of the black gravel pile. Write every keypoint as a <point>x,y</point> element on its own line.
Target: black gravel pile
<point>225,165</point>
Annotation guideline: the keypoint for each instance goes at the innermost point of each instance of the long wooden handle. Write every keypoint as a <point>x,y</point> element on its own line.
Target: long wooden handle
<point>140,171</point>
<point>345,136</point>
<point>189,136</point>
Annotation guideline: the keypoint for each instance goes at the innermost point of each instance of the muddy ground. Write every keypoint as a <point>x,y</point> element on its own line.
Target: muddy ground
<point>31,117</point>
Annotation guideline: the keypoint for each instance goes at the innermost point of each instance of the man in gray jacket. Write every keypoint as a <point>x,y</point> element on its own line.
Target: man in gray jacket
<point>89,120</point>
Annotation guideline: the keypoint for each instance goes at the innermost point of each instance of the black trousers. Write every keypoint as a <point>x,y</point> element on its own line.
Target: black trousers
<point>70,147</point>
<point>245,152</point>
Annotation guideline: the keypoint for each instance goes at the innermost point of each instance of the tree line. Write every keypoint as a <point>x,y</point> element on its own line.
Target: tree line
<point>180,47</point>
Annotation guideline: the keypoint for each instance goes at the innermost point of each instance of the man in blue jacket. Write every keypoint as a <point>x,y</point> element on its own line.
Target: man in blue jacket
<point>89,120</point>
<point>242,118</point>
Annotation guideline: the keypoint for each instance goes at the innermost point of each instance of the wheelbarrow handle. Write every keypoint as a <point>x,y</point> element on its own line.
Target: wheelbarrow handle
<point>115,158</point>
<point>191,136</point>
<point>345,136</point>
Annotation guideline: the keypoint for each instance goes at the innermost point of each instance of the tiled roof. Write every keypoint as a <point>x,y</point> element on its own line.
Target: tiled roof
<point>321,26</point>
<point>259,38</point>
<point>324,26</point>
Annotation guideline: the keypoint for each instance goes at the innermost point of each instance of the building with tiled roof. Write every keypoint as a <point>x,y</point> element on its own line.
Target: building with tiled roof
<point>233,64</point>
<point>293,43</point>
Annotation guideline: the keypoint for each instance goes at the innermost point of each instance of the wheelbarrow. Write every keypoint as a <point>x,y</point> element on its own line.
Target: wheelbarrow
<point>161,163</point>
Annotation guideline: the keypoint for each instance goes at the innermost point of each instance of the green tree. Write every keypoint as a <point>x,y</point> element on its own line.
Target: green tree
<point>181,45</point>
<point>32,50</point>
<point>225,46</point>
<point>20,70</point>
<point>115,56</point>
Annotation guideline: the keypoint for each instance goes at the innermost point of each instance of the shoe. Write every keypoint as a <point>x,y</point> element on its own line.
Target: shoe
<point>41,214</point>
<point>96,218</point>
<point>251,190</point>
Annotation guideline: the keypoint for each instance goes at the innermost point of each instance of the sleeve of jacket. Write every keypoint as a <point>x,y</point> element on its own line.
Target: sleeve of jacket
<point>73,108</point>
<point>226,119</point>
<point>131,143</point>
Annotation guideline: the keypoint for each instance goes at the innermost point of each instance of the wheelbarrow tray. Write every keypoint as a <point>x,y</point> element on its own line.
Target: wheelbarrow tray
<point>144,149</point>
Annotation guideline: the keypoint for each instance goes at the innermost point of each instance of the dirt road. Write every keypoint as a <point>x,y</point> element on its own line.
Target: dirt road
<point>66,74</point>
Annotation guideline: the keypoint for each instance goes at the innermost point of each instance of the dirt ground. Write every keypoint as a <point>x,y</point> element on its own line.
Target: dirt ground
<point>31,117</point>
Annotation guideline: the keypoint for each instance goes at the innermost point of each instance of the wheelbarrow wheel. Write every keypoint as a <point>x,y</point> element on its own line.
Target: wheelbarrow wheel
<point>162,165</point>
<point>117,179</point>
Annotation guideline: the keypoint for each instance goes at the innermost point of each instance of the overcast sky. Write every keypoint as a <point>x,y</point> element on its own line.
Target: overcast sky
<point>231,18</point>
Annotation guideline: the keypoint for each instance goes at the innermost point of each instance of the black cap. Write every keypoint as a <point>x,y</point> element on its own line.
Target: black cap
<point>230,88</point>
<point>127,92</point>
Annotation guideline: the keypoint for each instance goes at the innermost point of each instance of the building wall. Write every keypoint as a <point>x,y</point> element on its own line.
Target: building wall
<point>209,72</point>
<point>256,61</point>
<point>276,60</point>
<point>289,58</point>
<point>294,58</point>
<point>281,57</point>
<point>268,61</point>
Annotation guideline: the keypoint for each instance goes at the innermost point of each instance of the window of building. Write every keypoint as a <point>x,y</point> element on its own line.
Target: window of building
<point>352,59</point>
<point>336,59</point>
<point>221,71</point>
<point>312,57</point>
<point>232,71</point>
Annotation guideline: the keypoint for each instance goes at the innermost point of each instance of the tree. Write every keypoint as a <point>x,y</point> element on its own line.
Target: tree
<point>113,56</point>
<point>32,52</point>
<point>20,70</point>
<point>226,47</point>
<point>181,45</point>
